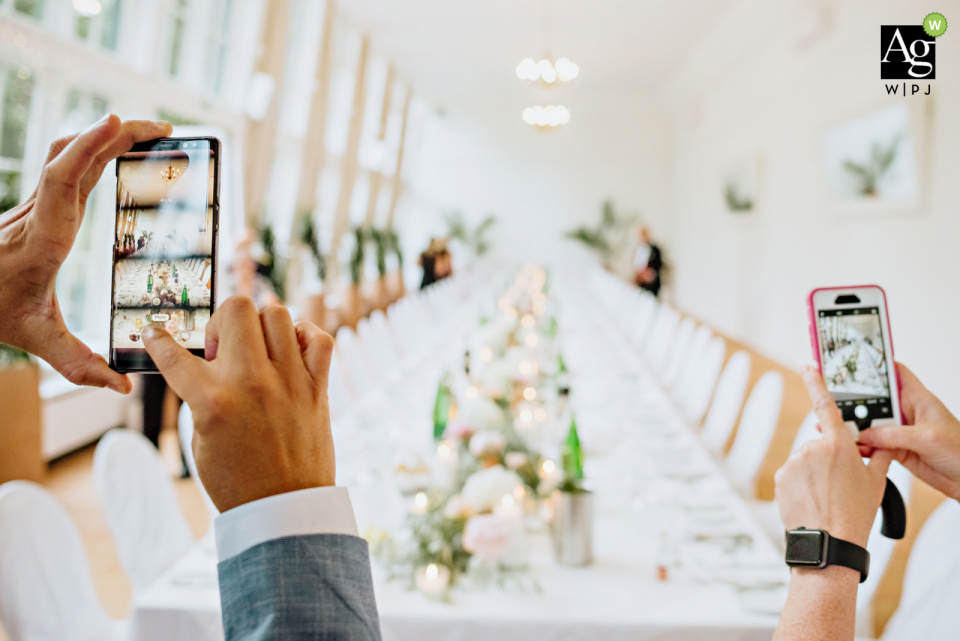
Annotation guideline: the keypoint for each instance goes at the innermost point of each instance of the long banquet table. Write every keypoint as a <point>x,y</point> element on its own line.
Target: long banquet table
<point>661,500</point>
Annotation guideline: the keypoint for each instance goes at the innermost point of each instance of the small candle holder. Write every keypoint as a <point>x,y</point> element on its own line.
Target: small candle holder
<point>433,580</point>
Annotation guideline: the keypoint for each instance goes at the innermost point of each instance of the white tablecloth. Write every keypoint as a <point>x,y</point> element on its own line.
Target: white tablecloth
<point>634,441</point>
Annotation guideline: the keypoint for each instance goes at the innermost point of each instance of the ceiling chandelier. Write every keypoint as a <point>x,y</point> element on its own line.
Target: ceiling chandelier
<point>547,72</point>
<point>548,117</point>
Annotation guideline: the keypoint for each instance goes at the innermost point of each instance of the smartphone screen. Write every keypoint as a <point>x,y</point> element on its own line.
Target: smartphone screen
<point>164,254</point>
<point>854,361</point>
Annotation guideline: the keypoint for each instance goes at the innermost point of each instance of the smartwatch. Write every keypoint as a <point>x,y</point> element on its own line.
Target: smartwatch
<point>817,549</point>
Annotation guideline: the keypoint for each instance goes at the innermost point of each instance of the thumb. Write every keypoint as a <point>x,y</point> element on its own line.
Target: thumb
<point>184,372</point>
<point>890,437</point>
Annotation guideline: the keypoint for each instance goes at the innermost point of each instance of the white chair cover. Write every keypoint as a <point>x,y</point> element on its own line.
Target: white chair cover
<point>930,602</point>
<point>696,388</point>
<point>185,429</point>
<point>339,391</point>
<point>757,425</point>
<point>693,360</point>
<point>727,401</point>
<point>353,360</point>
<point>678,352</point>
<point>46,591</point>
<point>141,506</point>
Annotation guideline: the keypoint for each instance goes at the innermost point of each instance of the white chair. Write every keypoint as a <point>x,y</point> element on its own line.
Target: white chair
<point>678,352</point>
<point>931,585</point>
<point>46,591</point>
<point>339,392</point>
<point>185,430</point>
<point>696,387</point>
<point>141,506</point>
<point>727,401</point>
<point>755,431</point>
<point>662,339</point>
<point>353,360</point>
<point>692,359</point>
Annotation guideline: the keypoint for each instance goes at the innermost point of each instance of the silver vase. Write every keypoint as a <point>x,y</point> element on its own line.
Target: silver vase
<point>572,527</point>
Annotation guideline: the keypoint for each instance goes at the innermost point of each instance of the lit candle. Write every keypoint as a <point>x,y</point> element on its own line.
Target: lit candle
<point>549,475</point>
<point>433,580</point>
<point>420,503</point>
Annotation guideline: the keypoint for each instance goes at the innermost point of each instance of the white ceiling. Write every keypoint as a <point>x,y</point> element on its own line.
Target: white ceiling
<point>449,47</point>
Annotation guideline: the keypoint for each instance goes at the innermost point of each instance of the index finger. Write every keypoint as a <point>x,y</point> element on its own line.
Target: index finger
<point>131,132</point>
<point>235,333</point>
<point>824,405</point>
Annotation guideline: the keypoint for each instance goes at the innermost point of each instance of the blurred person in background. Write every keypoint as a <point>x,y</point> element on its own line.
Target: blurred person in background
<point>647,263</point>
<point>435,262</point>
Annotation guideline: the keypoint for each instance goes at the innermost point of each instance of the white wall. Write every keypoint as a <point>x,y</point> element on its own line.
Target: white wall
<point>482,158</point>
<point>769,79</point>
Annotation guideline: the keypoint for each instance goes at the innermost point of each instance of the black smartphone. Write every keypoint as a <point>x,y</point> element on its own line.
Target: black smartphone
<point>165,246</point>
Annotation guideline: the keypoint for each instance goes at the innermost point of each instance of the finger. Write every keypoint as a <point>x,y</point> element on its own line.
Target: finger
<point>131,132</point>
<point>894,437</point>
<point>57,146</point>
<point>81,366</point>
<point>234,332</point>
<point>185,373</point>
<point>62,176</point>
<point>316,348</point>
<point>865,450</point>
<point>880,463</point>
<point>824,405</point>
<point>281,339</point>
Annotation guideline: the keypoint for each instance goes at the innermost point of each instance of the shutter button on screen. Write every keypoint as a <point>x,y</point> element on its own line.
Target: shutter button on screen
<point>861,411</point>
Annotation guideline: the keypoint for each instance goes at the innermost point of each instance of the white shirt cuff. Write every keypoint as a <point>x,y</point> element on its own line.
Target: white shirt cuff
<point>318,510</point>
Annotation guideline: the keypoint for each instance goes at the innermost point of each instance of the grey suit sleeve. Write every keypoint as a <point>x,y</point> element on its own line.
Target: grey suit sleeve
<point>316,586</point>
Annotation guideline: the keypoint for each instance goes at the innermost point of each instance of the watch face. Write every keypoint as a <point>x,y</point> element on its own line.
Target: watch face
<point>805,547</point>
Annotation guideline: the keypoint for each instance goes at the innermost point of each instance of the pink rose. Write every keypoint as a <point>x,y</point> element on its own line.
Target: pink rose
<point>487,536</point>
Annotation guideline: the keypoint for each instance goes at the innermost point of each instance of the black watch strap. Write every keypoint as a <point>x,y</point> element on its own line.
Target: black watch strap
<point>848,555</point>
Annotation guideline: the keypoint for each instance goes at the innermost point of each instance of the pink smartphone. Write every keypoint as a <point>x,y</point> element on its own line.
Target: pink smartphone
<point>850,335</point>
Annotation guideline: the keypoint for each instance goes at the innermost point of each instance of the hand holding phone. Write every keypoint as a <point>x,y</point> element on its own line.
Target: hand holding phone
<point>850,335</point>
<point>36,238</point>
<point>165,249</point>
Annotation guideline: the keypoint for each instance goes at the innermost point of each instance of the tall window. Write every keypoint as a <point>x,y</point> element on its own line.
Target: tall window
<point>178,25</point>
<point>16,89</point>
<point>83,109</point>
<point>32,8</point>
<point>218,43</point>
<point>98,22</point>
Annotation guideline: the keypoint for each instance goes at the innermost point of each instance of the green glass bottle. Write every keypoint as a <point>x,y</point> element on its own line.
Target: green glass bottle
<point>572,455</point>
<point>184,299</point>
<point>149,282</point>
<point>441,408</point>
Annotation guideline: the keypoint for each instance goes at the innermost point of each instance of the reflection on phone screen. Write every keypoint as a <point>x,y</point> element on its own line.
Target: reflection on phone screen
<point>163,255</point>
<point>854,362</point>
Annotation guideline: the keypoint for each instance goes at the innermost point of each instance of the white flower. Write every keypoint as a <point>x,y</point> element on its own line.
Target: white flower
<point>485,489</point>
<point>515,460</point>
<point>480,413</point>
<point>486,443</point>
<point>487,536</point>
<point>458,507</point>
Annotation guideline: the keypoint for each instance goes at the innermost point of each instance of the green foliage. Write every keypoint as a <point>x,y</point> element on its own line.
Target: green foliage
<point>393,244</point>
<point>12,356</point>
<point>380,242</point>
<point>869,173</point>
<point>9,190</point>
<point>736,201</point>
<point>273,261</point>
<point>476,238</point>
<point>307,233</point>
<point>356,259</point>
<point>607,238</point>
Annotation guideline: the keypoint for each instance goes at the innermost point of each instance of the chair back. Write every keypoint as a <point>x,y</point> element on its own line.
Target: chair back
<point>931,584</point>
<point>693,358</point>
<point>757,425</point>
<point>727,401</point>
<point>678,351</point>
<point>695,389</point>
<point>185,429</point>
<point>353,360</point>
<point>141,506</point>
<point>46,591</point>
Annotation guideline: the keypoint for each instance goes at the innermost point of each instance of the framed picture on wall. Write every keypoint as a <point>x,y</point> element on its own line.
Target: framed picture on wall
<point>872,163</point>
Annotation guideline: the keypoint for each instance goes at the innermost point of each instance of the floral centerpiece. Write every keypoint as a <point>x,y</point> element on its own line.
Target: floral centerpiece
<point>472,521</point>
